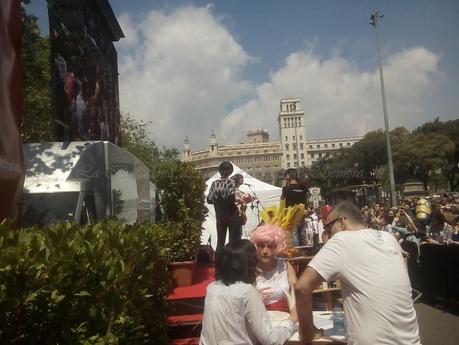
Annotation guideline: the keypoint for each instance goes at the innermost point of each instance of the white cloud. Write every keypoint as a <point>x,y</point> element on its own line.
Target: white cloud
<point>338,99</point>
<point>183,69</point>
<point>182,72</point>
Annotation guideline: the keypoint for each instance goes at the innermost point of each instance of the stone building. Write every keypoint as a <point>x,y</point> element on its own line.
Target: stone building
<point>264,159</point>
<point>259,157</point>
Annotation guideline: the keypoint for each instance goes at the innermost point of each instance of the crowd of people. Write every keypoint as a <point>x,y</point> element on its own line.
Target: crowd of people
<point>430,219</point>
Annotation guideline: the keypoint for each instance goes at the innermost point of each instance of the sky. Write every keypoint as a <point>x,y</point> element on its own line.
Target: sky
<point>190,67</point>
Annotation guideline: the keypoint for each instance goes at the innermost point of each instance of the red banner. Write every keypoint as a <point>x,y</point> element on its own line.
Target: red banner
<point>11,158</point>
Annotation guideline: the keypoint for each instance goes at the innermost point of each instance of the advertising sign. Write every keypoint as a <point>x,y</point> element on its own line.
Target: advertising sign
<point>84,70</point>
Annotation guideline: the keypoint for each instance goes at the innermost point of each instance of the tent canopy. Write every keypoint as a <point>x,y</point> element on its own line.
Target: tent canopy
<point>266,193</point>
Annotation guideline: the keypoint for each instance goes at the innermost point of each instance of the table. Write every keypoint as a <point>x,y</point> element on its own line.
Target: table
<point>322,319</point>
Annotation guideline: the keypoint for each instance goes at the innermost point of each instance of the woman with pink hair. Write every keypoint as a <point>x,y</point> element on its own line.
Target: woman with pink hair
<point>276,276</point>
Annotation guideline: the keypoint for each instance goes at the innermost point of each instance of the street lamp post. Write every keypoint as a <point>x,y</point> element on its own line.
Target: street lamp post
<point>374,18</point>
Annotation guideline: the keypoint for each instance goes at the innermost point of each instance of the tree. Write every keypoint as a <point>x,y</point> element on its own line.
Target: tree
<point>451,130</point>
<point>135,139</point>
<point>362,163</point>
<point>37,125</point>
<point>422,156</point>
<point>182,187</point>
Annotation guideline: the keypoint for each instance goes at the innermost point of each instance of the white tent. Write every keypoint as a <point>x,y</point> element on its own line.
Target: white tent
<point>266,193</point>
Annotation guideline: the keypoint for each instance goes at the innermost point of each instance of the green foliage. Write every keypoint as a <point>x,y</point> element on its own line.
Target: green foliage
<point>134,138</point>
<point>181,187</point>
<point>101,284</point>
<point>451,130</point>
<point>422,156</point>
<point>428,154</point>
<point>37,125</point>
<point>183,202</point>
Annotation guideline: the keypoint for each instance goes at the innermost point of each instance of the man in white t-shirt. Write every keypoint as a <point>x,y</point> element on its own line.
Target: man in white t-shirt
<point>375,286</point>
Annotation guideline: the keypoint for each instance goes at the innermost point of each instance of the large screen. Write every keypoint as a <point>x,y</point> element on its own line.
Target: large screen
<point>85,72</point>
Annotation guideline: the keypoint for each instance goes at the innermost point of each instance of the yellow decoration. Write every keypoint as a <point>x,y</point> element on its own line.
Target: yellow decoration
<point>284,217</point>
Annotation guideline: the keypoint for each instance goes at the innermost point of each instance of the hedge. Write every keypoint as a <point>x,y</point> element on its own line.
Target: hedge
<point>100,284</point>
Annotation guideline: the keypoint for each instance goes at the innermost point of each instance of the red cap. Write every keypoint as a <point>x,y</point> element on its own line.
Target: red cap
<point>326,209</point>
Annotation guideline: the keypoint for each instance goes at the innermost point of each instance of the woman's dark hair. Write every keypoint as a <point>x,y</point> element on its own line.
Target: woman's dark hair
<point>237,262</point>
<point>225,168</point>
<point>438,217</point>
<point>236,178</point>
<point>291,173</point>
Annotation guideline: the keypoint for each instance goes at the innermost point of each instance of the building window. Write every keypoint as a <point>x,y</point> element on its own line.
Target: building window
<point>302,155</point>
<point>318,146</point>
<point>320,154</point>
<point>293,138</point>
<point>294,146</point>
<point>294,156</point>
<point>302,163</point>
<point>312,155</point>
<point>340,144</point>
<point>348,144</point>
<point>301,146</point>
<point>286,147</point>
<point>288,164</point>
<point>295,164</point>
<point>286,138</point>
<point>287,156</point>
<point>333,145</point>
<point>310,146</point>
<point>326,145</point>
<point>301,137</point>
<point>238,152</point>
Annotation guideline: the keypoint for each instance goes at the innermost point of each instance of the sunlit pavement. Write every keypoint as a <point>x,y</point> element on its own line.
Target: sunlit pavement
<point>437,327</point>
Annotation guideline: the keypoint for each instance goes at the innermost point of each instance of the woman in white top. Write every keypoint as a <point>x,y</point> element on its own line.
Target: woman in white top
<point>276,276</point>
<point>233,310</point>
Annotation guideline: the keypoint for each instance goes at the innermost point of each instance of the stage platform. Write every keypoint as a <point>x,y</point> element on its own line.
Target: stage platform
<point>186,307</point>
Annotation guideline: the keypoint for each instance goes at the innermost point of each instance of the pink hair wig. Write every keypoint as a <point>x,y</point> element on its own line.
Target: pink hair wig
<point>269,233</point>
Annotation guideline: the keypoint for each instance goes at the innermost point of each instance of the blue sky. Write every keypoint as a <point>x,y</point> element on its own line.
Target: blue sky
<point>193,66</point>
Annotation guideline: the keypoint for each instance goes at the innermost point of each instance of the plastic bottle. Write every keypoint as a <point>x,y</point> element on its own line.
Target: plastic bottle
<point>339,327</point>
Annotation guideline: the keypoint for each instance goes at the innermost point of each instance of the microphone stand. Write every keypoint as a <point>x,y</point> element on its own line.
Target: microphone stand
<point>258,203</point>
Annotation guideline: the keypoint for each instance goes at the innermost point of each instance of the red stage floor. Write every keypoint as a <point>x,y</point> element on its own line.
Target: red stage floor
<point>204,275</point>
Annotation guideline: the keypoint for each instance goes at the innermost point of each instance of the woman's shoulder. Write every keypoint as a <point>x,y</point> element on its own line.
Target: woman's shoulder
<point>238,288</point>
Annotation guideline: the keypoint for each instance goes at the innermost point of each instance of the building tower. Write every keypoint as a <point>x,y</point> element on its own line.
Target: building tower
<point>292,134</point>
<point>186,150</point>
<point>213,145</point>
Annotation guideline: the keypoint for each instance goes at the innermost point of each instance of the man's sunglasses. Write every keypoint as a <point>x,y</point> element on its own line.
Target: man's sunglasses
<point>329,225</point>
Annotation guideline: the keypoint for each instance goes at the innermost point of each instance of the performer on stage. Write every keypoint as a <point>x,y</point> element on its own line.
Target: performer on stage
<point>242,199</point>
<point>295,193</point>
<point>222,195</point>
